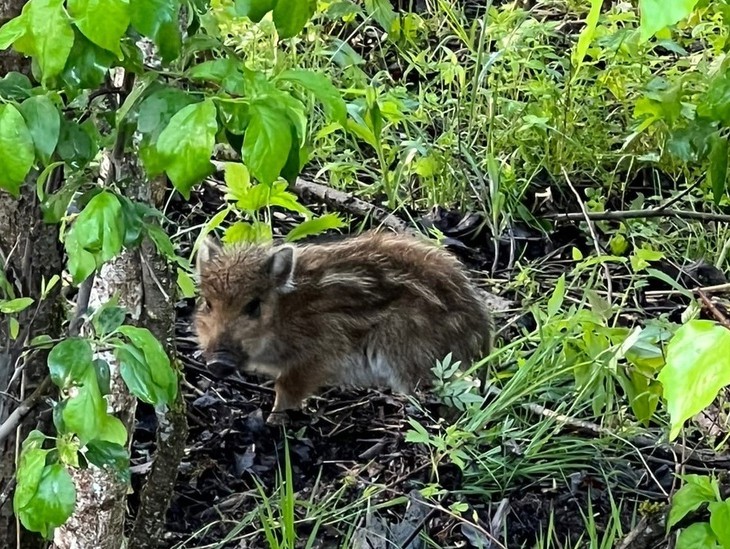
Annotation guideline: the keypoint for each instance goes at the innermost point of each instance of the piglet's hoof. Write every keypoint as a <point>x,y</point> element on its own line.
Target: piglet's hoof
<point>277,418</point>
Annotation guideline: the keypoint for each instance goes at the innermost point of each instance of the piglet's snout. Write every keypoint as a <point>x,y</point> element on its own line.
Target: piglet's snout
<point>224,362</point>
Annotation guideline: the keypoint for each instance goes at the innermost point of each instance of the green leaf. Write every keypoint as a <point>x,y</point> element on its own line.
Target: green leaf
<point>87,64</point>
<point>15,86</point>
<point>238,180</point>
<point>70,361</point>
<point>586,35</point>
<point>50,36</point>
<point>557,297</point>
<point>254,9</point>
<point>44,123</point>
<point>105,454</point>
<point>104,22</point>
<point>322,88</point>
<point>30,470</point>
<point>382,12</point>
<point>12,30</point>
<point>290,16</point>
<point>76,144</point>
<point>186,284</point>
<point>241,231</point>
<point>696,491</point>
<point>145,367</point>
<point>108,318</point>
<point>187,144</point>
<point>717,173</point>
<point>159,20</point>
<point>85,413</point>
<point>68,450</point>
<point>697,367</point>
<point>103,375</point>
<point>16,305</point>
<point>267,141</point>
<point>720,521</point>
<point>697,536</point>
<point>52,503</point>
<point>660,14</point>
<point>315,226</point>
<point>98,231</point>
<point>80,262</point>
<point>16,149</point>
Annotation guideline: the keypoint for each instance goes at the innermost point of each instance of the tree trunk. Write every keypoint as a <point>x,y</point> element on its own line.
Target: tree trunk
<point>30,251</point>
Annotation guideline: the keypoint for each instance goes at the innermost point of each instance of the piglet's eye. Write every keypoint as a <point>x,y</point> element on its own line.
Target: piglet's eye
<point>253,308</point>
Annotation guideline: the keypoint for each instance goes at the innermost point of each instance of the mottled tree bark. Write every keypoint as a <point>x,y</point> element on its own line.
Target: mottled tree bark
<point>30,251</point>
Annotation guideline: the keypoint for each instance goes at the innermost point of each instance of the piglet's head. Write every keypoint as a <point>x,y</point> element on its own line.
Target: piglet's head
<point>240,287</point>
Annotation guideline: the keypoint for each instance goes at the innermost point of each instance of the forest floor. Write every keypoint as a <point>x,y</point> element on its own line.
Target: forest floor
<point>570,449</point>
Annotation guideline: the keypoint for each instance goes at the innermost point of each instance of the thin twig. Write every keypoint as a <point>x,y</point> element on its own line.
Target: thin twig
<point>714,311</point>
<point>9,425</point>
<point>594,235</point>
<point>638,214</point>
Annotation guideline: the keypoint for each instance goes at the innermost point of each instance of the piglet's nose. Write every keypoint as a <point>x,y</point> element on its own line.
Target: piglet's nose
<point>222,363</point>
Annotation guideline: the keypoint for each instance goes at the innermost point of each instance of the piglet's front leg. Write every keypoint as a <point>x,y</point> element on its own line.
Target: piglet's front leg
<point>292,388</point>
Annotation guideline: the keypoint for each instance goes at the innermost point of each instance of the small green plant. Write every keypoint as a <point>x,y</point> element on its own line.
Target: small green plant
<point>699,491</point>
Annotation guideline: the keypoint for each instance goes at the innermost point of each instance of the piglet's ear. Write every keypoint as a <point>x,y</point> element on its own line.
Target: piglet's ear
<point>280,268</point>
<point>209,249</point>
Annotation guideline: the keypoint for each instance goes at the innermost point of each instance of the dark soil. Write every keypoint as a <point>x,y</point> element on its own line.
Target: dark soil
<point>347,442</point>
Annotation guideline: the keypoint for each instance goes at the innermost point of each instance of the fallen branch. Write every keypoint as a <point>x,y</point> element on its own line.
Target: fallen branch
<point>348,202</point>
<point>637,214</point>
<point>714,311</point>
<point>14,419</point>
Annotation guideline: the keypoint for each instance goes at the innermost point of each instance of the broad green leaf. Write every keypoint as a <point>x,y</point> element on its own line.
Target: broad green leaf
<point>103,375</point>
<point>16,305</point>
<point>322,88</point>
<point>586,35</point>
<point>69,362</point>
<point>720,521</point>
<point>254,9</point>
<point>382,12</point>
<point>87,64</point>
<point>290,16</point>
<point>158,20</point>
<point>557,297</point>
<point>104,22</point>
<point>50,36</point>
<point>262,195</point>
<point>187,144</point>
<point>16,149</point>
<point>108,318</point>
<point>52,503</point>
<point>30,470</point>
<point>80,262</point>
<point>697,536</point>
<point>12,30</point>
<point>76,144</point>
<point>15,86</point>
<point>241,231</point>
<point>108,454</point>
<point>99,231</point>
<point>44,123</point>
<point>696,491</point>
<point>697,367</point>
<point>315,226</point>
<point>717,173</point>
<point>267,141</point>
<point>714,104</point>
<point>85,413</point>
<point>659,14</point>
<point>68,447</point>
<point>238,180</point>
<point>145,367</point>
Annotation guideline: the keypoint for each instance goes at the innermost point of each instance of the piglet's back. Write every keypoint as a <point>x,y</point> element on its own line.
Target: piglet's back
<point>402,302</point>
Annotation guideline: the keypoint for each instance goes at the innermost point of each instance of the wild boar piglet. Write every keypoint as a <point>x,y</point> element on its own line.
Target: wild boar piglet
<point>374,310</point>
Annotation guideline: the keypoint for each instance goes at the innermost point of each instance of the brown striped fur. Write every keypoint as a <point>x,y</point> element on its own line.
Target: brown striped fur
<point>373,310</point>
